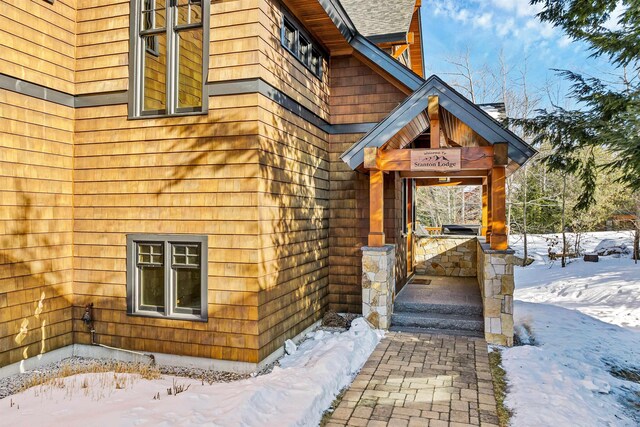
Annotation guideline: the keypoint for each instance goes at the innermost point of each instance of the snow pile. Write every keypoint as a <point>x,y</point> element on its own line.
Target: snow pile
<point>294,394</point>
<point>565,377</point>
<point>612,247</point>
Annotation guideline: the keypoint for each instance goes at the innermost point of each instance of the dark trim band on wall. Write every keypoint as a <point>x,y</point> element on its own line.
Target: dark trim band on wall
<point>62,98</point>
<point>36,91</point>
<point>260,86</point>
<point>237,87</point>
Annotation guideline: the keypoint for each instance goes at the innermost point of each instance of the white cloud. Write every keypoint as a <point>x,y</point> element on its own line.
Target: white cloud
<point>506,19</point>
<point>506,28</point>
<point>612,23</point>
<point>520,7</point>
<point>564,41</point>
<point>484,21</point>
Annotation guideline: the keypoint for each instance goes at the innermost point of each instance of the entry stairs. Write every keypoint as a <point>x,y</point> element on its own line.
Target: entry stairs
<point>439,305</point>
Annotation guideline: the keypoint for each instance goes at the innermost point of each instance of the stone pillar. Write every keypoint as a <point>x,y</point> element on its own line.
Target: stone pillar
<point>378,284</point>
<point>495,278</point>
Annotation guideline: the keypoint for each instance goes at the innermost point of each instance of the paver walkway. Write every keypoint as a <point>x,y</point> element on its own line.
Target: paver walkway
<point>421,380</point>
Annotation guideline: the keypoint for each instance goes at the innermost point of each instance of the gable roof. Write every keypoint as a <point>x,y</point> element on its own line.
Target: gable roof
<point>381,20</point>
<point>469,113</point>
<point>337,13</point>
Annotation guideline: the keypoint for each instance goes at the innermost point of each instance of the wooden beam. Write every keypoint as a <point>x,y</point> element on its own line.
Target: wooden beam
<point>371,158</point>
<point>410,39</point>
<point>498,209</point>
<point>435,182</point>
<point>470,173</point>
<point>500,154</point>
<point>489,209</point>
<point>485,208</point>
<point>400,159</point>
<point>376,209</point>
<point>399,50</point>
<point>434,121</point>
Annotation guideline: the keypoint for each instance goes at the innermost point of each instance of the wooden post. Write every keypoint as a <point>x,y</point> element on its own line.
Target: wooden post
<point>434,121</point>
<point>498,209</point>
<point>485,208</point>
<point>376,208</point>
<point>489,210</point>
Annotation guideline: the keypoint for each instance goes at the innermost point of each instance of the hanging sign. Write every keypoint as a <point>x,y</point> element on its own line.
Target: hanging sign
<point>441,160</point>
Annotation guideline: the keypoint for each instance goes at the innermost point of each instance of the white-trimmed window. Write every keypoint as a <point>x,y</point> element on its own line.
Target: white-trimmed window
<point>169,57</point>
<point>167,276</point>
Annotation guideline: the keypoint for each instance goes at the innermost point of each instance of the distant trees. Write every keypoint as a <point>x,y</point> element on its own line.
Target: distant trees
<point>589,158</point>
<point>606,122</point>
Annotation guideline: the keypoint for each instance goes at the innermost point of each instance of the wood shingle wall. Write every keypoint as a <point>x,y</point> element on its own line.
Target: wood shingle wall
<point>349,227</point>
<point>193,175</point>
<point>294,225</point>
<point>359,94</point>
<point>38,42</point>
<point>284,216</point>
<point>36,215</point>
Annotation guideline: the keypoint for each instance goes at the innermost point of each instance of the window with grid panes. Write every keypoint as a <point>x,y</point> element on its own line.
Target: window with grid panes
<point>166,276</point>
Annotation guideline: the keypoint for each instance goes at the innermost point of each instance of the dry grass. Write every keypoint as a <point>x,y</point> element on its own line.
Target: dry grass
<point>327,414</point>
<point>54,378</point>
<point>499,387</point>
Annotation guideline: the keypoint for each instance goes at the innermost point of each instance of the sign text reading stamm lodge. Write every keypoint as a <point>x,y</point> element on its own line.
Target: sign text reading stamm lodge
<point>447,159</point>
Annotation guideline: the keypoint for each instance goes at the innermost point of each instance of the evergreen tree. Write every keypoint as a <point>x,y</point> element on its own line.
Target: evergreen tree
<point>609,114</point>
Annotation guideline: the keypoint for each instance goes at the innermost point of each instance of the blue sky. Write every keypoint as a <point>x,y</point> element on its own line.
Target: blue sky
<point>485,27</point>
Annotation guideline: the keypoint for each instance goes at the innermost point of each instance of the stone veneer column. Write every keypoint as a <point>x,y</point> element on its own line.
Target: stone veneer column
<point>495,278</point>
<point>378,284</point>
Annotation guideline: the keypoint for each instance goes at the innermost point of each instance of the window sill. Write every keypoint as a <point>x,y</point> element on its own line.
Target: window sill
<point>183,317</point>
<point>168,116</point>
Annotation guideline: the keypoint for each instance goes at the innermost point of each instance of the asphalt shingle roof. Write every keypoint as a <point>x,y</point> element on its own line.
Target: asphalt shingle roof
<point>380,17</point>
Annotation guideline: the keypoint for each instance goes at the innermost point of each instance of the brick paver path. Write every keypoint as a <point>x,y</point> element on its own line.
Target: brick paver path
<point>421,380</point>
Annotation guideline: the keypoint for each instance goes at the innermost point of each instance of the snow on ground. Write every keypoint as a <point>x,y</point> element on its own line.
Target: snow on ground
<point>582,321</point>
<point>608,290</point>
<point>294,394</point>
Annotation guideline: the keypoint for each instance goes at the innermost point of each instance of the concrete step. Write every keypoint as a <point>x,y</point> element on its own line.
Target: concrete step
<point>438,321</point>
<point>404,306</point>
<point>414,330</point>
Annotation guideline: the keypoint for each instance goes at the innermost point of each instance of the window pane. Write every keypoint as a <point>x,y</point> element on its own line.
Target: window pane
<point>155,74</point>
<point>316,62</point>
<point>190,69</point>
<point>153,15</point>
<point>305,50</point>
<point>186,255</point>
<point>188,288</point>
<point>150,253</point>
<point>152,286</point>
<point>189,12</point>
<point>289,36</point>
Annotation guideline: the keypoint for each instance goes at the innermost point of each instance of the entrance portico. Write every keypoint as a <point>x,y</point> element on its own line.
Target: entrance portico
<point>438,137</point>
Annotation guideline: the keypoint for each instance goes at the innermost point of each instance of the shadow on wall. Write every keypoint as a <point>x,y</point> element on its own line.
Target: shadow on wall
<point>446,256</point>
<point>294,224</point>
<point>36,290</point>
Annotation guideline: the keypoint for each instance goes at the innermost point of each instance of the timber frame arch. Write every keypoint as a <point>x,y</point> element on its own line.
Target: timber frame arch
<point>487,153</point>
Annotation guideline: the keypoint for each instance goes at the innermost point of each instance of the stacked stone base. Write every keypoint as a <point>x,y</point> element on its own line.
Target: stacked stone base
<point>495,278</point>
<point>378,284</point>
<point>453,256</point>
